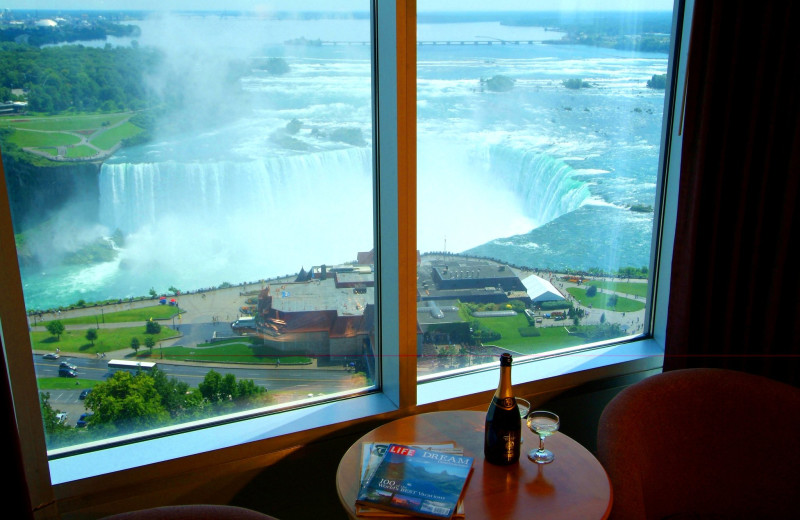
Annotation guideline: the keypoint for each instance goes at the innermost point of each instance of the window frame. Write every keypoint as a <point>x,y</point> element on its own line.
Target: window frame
<point>249,443</point>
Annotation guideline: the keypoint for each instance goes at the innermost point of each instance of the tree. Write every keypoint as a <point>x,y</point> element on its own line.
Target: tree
<point>576,83</point>
<point>126,403</point>
<point>153,292</point>
<point>152,327</point>
<point>149,342</point>
<point>135,344</point>
<point>209,388</point>
<point>51,423</point>
<point>658,81</point>
<point>56,328</point>
<point>276,66</point>
<point>91,335</point>
<point>591,291</point>
<point>176,396</point>
<point>498,83</point>
<point>217,389</point>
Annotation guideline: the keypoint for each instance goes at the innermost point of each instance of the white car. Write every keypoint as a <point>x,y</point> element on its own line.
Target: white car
<point>61,417</point>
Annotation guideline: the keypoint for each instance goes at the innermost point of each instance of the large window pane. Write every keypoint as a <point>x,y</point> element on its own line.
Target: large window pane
<point>192,190</point>
<point>539,138</point>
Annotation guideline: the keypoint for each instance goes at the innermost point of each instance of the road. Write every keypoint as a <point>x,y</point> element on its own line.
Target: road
<point>204,313</point>
<point>290,383</point>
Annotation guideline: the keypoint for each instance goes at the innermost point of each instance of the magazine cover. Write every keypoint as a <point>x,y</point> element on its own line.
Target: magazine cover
<point>417,482</point>
<point>371,455</point>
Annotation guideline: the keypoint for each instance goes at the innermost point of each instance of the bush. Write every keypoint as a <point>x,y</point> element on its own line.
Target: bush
<point>658,81</point>
<point>152,327</point>
<point>529,332</point>
<point>576,83</point>
<point>498,83</point>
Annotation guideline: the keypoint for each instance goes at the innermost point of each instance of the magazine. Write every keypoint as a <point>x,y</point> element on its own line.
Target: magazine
<point>371,455</point>
<point>416,481</point>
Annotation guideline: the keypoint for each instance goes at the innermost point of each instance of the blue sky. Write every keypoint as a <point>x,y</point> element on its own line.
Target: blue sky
<point>342,5</point>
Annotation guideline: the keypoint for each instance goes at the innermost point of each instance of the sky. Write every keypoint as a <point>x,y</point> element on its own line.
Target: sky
<point>342,5</point>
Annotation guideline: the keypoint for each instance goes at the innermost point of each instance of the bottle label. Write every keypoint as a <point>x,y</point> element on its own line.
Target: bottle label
<point>506,403</point>
<point>510,440</point>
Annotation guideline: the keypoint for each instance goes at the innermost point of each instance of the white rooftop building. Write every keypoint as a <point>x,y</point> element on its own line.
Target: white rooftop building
<point>540,290</point>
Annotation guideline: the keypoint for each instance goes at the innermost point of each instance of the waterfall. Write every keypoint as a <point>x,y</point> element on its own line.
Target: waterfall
<point>204,223</point>
<point>546,186</point>
<point>276,190</point>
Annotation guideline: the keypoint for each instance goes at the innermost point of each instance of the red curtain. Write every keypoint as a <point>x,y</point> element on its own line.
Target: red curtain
<point>735,282</point>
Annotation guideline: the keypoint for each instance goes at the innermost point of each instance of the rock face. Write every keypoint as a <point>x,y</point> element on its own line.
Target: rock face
<point>36,193</point>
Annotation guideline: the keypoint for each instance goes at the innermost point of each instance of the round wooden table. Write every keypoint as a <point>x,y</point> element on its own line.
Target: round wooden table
<point>574,485</point>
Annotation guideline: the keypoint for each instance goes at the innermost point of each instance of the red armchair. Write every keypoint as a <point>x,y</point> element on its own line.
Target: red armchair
<point>703,444</point>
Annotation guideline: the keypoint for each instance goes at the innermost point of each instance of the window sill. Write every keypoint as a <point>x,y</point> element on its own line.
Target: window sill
<point>549,373</point>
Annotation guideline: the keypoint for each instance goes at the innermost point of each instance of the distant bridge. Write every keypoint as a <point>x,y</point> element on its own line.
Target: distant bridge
<point>435,42</point>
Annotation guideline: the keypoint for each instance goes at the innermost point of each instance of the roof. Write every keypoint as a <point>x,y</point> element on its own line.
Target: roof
<point>540,290</point>
<point>319,295</point>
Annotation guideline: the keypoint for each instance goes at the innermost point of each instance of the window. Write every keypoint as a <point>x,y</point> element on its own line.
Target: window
<point>539,147</point>
<point>314,100</point>
<point>191,192</point>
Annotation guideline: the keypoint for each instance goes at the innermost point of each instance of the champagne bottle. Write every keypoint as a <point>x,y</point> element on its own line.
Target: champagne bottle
<point>502,434</point>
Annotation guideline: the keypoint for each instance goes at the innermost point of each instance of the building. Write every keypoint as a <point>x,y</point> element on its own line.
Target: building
<point>329,316</point>
<point>454,277</point>
<point>540,290</point>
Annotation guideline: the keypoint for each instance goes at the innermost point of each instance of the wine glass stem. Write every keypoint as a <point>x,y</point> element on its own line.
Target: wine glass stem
<point>541,442</point>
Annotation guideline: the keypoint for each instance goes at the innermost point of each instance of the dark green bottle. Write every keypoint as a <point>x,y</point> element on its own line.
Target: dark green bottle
<point>502,434</point>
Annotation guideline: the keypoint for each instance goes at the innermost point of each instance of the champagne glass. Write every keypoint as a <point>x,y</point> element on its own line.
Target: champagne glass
<point>543,424</point>
<point>524,407</point>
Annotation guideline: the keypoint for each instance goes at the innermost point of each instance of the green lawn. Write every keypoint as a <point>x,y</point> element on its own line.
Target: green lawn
<point>550,338</point>
<point>65,123</point>
<point>107,339</point>
<point>57,131</point>
<point>108,139</point>
<point>81,151</point>
<point>65,383</point>
<point>143,314</point>
<point>600,301</point>
<point>632,288</point>
<point>244,350</point>
<point>25,139</point>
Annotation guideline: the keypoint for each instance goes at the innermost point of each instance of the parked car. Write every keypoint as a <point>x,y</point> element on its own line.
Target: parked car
<point>85,394</point>
<point>64,364</point>
<point>61,417</point>
<point>83,420</point>
<point>51,355</point>
<point>67,372</point>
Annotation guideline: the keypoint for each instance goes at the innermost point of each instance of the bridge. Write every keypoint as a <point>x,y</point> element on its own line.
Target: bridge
<point>493,41</point>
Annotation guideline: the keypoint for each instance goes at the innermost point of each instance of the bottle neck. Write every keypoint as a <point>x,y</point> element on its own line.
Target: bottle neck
<point>504,389</point>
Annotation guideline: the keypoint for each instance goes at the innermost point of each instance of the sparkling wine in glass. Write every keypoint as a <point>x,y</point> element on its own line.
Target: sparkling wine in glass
<point>524,407</point>
<point>543,424</point>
